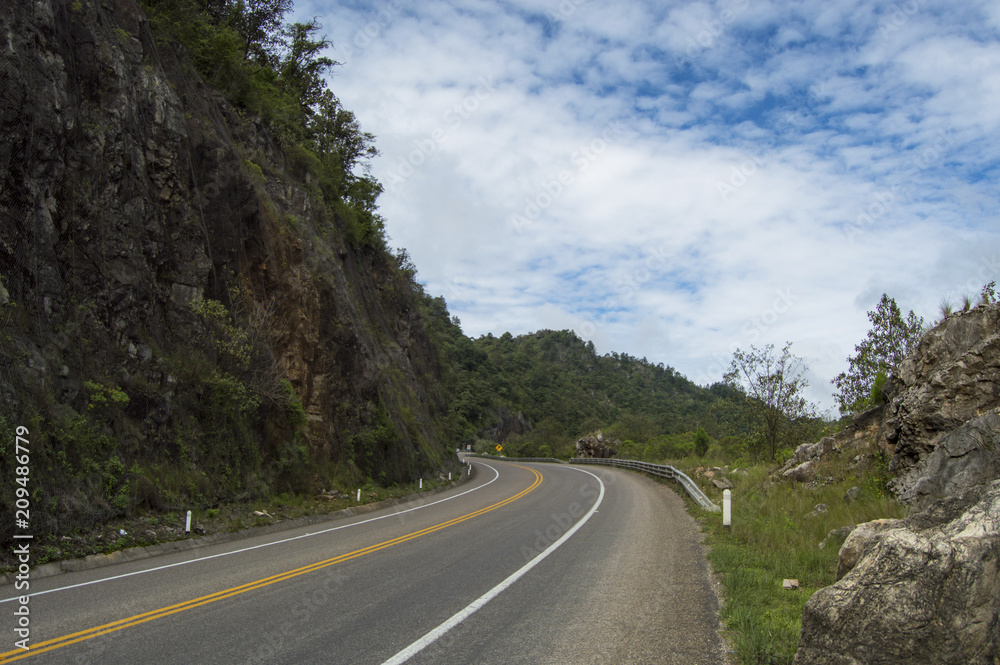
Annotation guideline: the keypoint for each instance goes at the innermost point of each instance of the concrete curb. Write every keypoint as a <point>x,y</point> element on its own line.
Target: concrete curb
<point>149,551</point>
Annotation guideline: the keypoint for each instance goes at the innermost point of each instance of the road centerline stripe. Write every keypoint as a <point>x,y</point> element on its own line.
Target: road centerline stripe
<point>256,547</point>
<point>97,631</point>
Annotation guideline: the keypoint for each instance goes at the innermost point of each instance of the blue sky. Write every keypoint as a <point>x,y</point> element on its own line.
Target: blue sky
<point>674,180</point>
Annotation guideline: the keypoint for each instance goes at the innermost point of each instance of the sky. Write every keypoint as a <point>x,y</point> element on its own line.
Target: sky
<point>675,180</point>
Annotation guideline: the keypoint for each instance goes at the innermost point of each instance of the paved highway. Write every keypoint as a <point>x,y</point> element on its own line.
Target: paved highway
<point>526,563</point>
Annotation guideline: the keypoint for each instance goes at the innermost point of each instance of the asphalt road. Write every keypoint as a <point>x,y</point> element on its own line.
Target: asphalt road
<point>526,563</point>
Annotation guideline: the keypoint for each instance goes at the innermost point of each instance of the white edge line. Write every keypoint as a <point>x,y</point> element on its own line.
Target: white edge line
<point>462,615</point>
<point>256,547</point>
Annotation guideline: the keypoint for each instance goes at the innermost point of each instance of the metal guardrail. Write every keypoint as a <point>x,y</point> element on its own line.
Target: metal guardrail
<point>551,460</point>
<point>661,470</point>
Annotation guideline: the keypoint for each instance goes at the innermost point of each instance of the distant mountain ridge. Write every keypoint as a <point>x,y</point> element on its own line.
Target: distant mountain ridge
<point>554,384</point>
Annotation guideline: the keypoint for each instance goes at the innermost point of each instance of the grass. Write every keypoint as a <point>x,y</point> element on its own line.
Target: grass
<point>772,538</point>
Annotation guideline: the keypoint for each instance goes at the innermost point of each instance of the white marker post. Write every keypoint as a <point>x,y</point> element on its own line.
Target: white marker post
<point>359,496</point>
<point>727,508</point>
<point>421,483</point>
<point>449,476</point>
<point>187,523</point>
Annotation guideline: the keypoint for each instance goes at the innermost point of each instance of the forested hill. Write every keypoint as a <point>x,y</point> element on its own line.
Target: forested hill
<point>549,387</point>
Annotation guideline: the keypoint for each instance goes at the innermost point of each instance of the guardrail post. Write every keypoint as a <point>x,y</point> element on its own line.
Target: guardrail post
<point>727,508</point>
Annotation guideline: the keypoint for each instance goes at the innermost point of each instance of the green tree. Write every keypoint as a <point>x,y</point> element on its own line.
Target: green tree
<point>889,340</point>
<point>258,22</point>
<point>769,400</point>
<point>302,67</point>
<point>701,442</point>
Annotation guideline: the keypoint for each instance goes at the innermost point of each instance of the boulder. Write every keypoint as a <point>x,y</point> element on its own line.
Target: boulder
<point>836,536</point>
<point>596,446</point>
<point>802,473</point>
<point>924,589</point>
<point>851,495</point>
<point>722,483</point>
<point>964,457</point>
<point>950,378</point>
<point>820,510</point>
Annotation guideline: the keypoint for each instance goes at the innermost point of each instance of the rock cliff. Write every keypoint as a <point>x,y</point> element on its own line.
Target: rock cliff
<point>181,317</point>
<point>952,376</point>
<point>924,589</point>
<point>940,414</point>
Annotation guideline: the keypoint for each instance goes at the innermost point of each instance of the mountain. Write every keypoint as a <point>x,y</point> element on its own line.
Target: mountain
<point>196,300</point>
<point>550,387</point>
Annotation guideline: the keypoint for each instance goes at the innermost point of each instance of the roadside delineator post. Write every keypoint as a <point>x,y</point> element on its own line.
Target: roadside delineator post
<point>727,508</point>
<point>359,496</point>
<point>187,523</point>
<point>421,483</point>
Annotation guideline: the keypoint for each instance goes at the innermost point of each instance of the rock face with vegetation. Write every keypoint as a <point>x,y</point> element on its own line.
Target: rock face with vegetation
<point>196,301</point>
<point>951,378</point>
<point>924,589</point>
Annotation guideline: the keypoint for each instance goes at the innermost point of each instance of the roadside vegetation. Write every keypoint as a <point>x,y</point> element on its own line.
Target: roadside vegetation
<point>778,533</point>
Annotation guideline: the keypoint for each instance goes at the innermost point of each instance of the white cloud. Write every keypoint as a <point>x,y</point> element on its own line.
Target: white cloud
<point>827,151</point>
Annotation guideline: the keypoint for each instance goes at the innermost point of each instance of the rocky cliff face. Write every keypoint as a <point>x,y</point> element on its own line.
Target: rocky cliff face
<point>173,303</point>
<point>926,589</point>
<point>940,417</point>
<point>951,378</point>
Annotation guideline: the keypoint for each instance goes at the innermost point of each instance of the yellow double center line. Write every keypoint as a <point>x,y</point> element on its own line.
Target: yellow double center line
<point>97,631</point>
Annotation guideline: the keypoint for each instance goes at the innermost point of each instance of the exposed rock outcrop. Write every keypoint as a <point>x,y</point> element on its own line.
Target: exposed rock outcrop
<point>597,446</point>
<point>506,424</point>
<point>964,457</point>
<point>940,420</point>
<point>129,191</point>
<point>859,436</point>
<point>950,378</point>
<point>925,589</point>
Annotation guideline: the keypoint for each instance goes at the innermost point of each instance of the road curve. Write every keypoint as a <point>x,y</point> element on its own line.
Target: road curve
<point>527,563</point>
